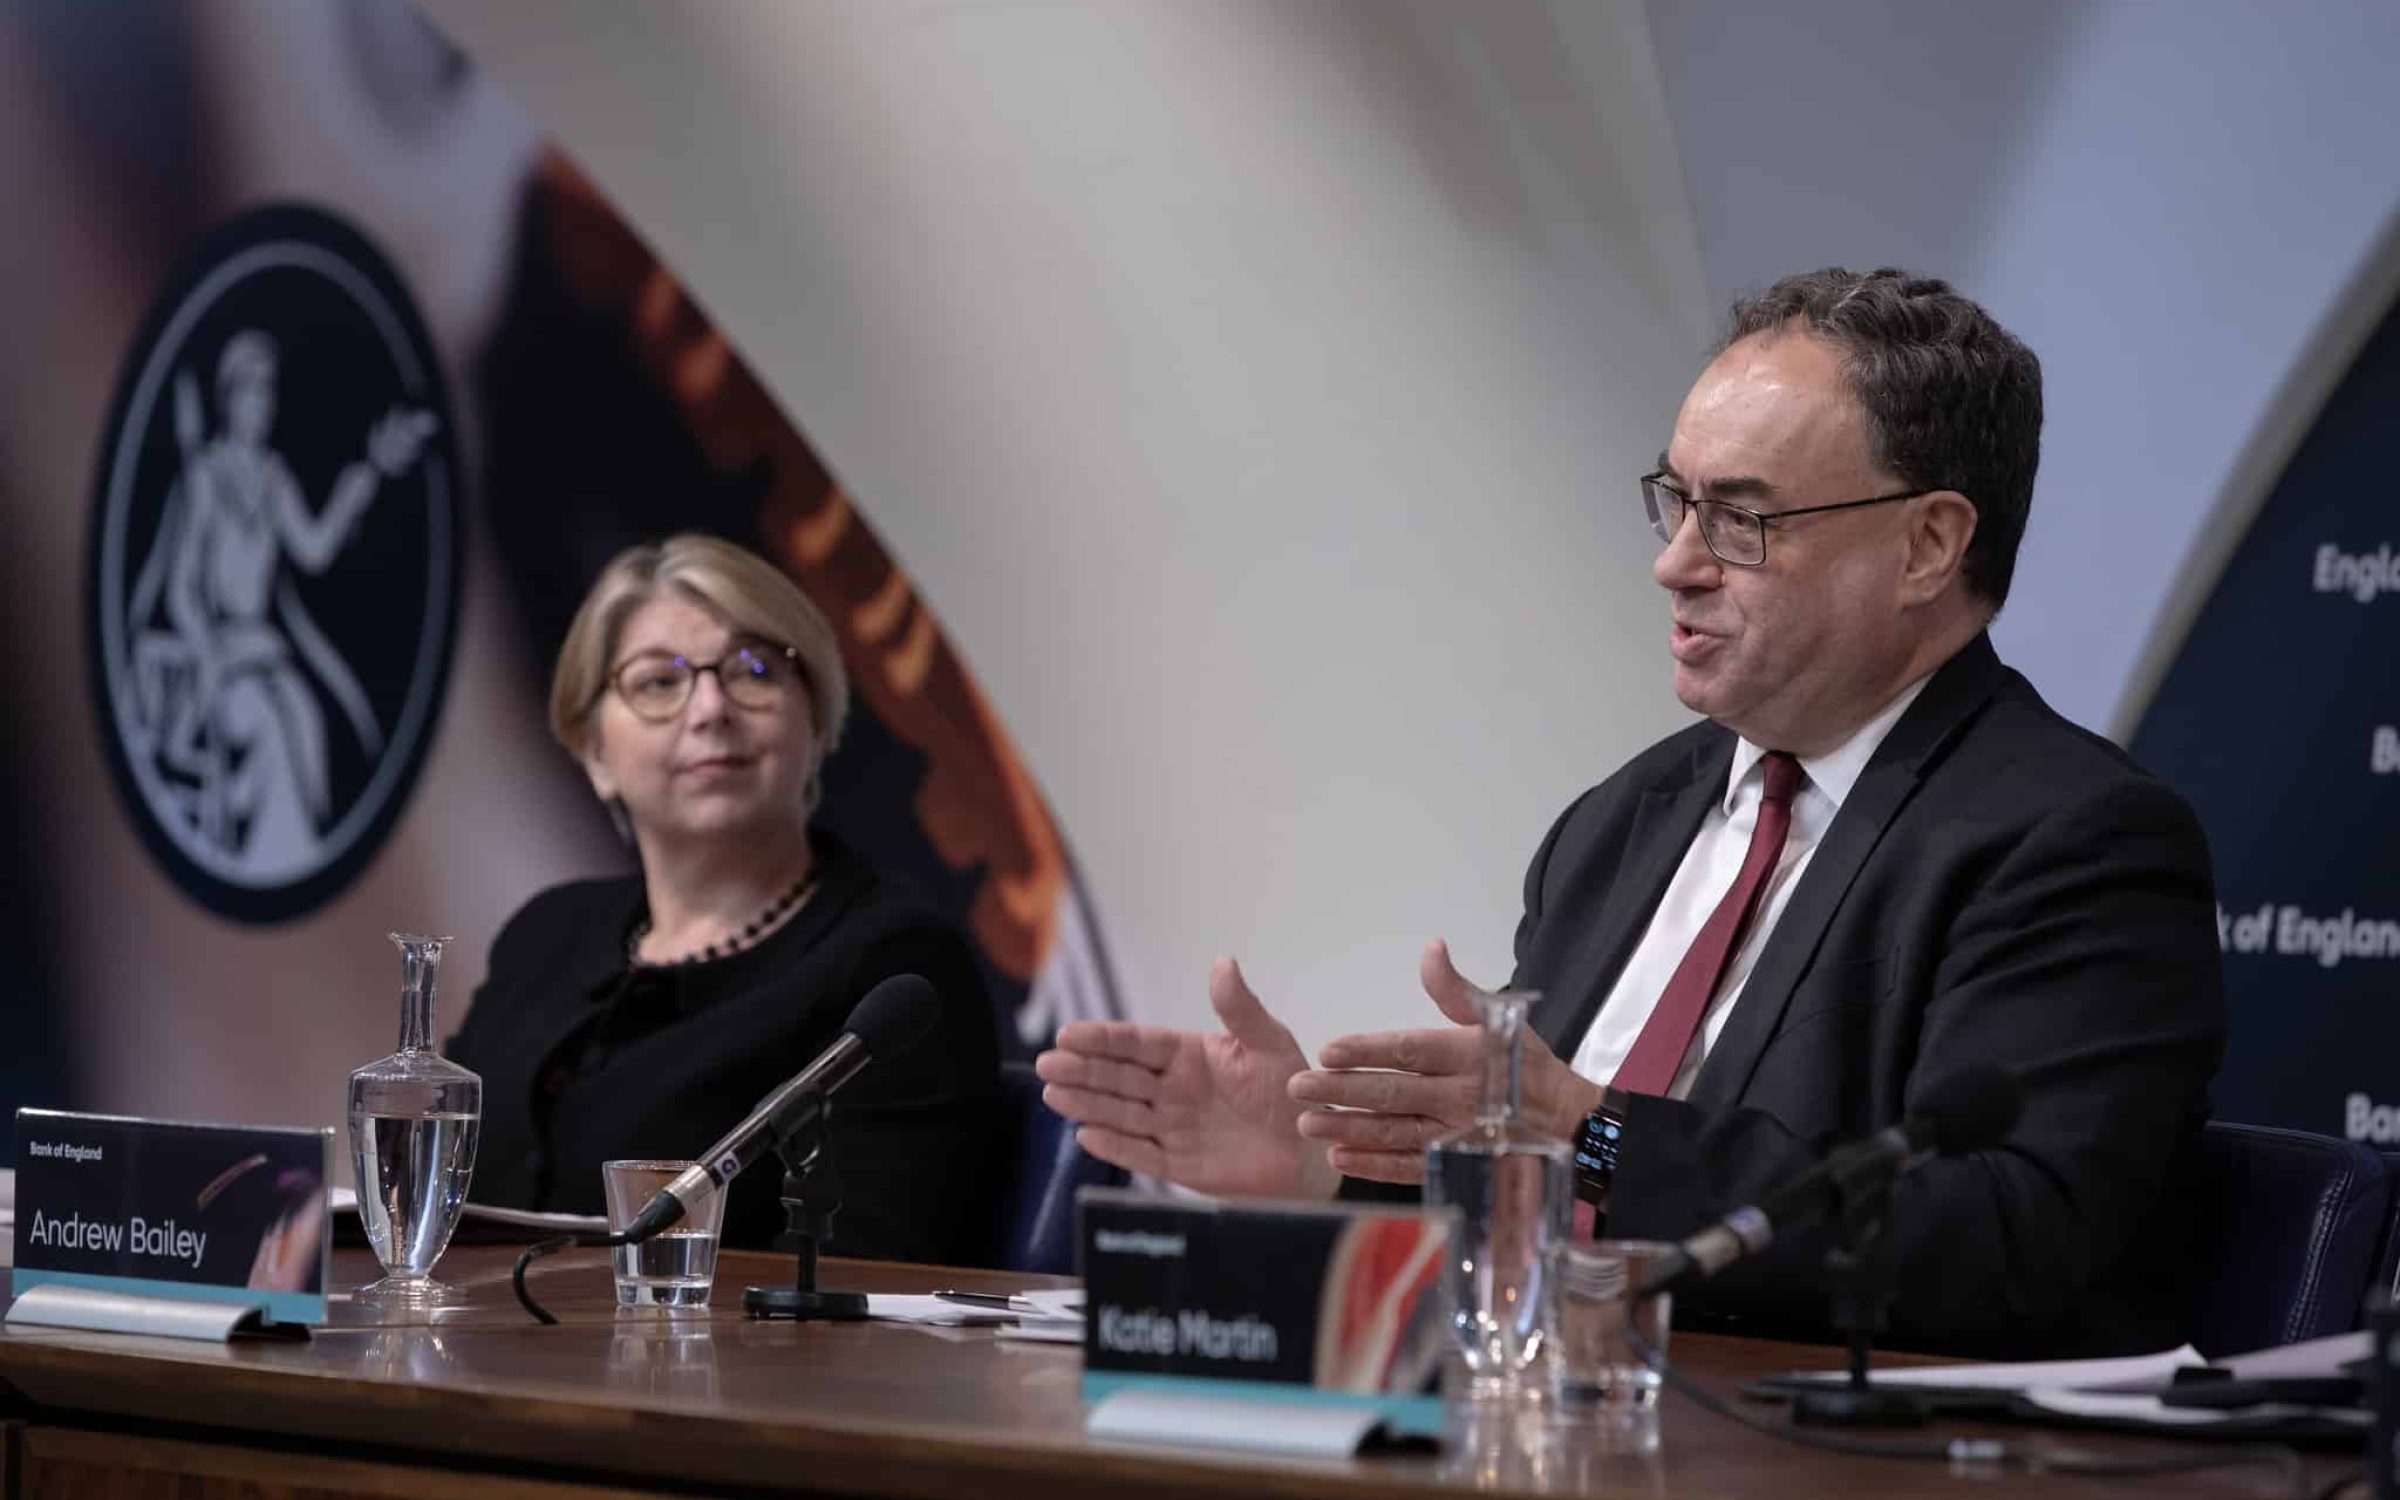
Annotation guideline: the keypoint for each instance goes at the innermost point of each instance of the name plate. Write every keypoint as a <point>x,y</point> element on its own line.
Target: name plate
<point>1312,1303</point>
<point>226,1214</point>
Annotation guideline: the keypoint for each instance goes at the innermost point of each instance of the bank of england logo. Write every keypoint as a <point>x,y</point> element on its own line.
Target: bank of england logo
<point>274,563</point>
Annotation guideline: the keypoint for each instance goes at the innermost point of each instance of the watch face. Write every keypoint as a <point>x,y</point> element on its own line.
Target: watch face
<point>1596,1146</point>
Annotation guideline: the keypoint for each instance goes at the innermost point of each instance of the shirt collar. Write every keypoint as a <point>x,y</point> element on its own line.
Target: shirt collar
<point>1836,771</point>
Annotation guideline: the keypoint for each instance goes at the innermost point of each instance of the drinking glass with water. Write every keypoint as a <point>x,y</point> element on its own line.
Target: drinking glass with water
<point>671,1270</point>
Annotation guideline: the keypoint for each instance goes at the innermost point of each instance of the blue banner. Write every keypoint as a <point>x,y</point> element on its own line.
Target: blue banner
<point>2280,720</point>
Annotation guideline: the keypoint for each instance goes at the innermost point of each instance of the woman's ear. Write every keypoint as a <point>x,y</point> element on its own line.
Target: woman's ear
<point>596,769</point>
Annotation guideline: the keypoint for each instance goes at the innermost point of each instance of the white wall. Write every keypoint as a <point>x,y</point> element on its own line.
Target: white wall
<point>1255,389</point>
<point>2186,209</point>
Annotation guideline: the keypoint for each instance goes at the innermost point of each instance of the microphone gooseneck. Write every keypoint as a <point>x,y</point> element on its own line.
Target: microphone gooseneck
<point>1969,1110</point>
<point>894,1016</point>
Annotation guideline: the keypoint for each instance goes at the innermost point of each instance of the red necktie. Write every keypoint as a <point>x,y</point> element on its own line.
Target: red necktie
<point>1658,1052</point>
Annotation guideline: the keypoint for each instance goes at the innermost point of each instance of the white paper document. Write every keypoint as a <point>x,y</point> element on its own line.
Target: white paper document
<point>896,1307</point>
<point>1057,1302</point>
<point>1025,1310</point>
<point>526,1218</point>
<point>2125,1390</point>
<point>1042,1333</point>
<point>2312,1359</point>
<point>2118,1406</point>
<point>345,1201</point>
<point>2138,1371</point>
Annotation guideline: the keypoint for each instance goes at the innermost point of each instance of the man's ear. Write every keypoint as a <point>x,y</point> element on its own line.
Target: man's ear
<point>1941,524</point>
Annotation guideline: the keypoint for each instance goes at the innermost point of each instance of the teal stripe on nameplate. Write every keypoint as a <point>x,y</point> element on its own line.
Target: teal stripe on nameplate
<point>282,1307</point>
<point>1418,1416</point>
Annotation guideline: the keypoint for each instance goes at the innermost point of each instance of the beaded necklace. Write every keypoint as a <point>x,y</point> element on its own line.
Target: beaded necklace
<point>749,937</point>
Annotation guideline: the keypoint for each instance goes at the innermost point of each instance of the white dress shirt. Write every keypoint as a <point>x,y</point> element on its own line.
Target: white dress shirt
<point>1708,871</point>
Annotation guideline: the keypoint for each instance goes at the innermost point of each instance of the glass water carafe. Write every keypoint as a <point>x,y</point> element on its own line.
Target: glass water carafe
<point>414,1119</point>
<point>1509,1182</point>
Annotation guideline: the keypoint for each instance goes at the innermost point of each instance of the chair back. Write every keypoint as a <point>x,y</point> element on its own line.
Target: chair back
<point>1037,1213</point>
<point>2384,1284</point>
<point>2290,1228</point>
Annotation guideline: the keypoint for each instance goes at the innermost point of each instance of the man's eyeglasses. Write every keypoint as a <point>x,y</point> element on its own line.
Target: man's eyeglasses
<point>657,684</point>
<point>1734,534</point>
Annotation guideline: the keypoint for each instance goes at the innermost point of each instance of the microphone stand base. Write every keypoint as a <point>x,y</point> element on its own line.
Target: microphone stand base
<point>812,1194</point>
<point>792,1305</point>
<point>1859,1406</point>
<point>1862,1271</point>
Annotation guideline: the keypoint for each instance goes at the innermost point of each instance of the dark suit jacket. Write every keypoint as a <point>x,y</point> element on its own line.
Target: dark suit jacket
<point>585,1062</point>
<point>2000,887</point>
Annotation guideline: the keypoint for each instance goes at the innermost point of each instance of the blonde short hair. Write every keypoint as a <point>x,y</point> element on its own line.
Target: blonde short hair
<point>743,589</point>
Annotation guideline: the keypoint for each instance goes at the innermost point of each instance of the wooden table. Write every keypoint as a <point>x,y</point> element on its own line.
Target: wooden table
<point>481,1401</point>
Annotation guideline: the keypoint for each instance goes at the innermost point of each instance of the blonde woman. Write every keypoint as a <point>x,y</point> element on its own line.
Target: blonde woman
<point>642,1016</point>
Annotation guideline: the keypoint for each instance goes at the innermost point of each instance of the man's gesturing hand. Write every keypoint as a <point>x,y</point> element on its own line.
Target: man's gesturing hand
<point>1384,1120</point>
<point>1208,1110</point>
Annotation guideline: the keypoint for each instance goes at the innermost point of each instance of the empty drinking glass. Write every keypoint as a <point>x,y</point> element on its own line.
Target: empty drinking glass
<point>1597,1365</point>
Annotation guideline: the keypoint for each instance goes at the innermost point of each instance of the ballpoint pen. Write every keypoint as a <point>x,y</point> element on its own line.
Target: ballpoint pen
<point>999,1300</point>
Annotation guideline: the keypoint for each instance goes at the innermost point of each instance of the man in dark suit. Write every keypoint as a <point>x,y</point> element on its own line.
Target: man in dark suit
<point>1880,860</point>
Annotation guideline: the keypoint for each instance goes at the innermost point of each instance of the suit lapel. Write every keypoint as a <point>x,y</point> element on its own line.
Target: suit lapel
<point>1957,690</point>
<point>1664,824</point>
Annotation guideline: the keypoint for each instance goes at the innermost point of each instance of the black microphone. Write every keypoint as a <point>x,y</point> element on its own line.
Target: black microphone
<point>1964,1111</point>
<point>894,1016</point>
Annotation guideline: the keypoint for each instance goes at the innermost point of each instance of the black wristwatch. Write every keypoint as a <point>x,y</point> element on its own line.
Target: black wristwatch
<point>1597,1141</point>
